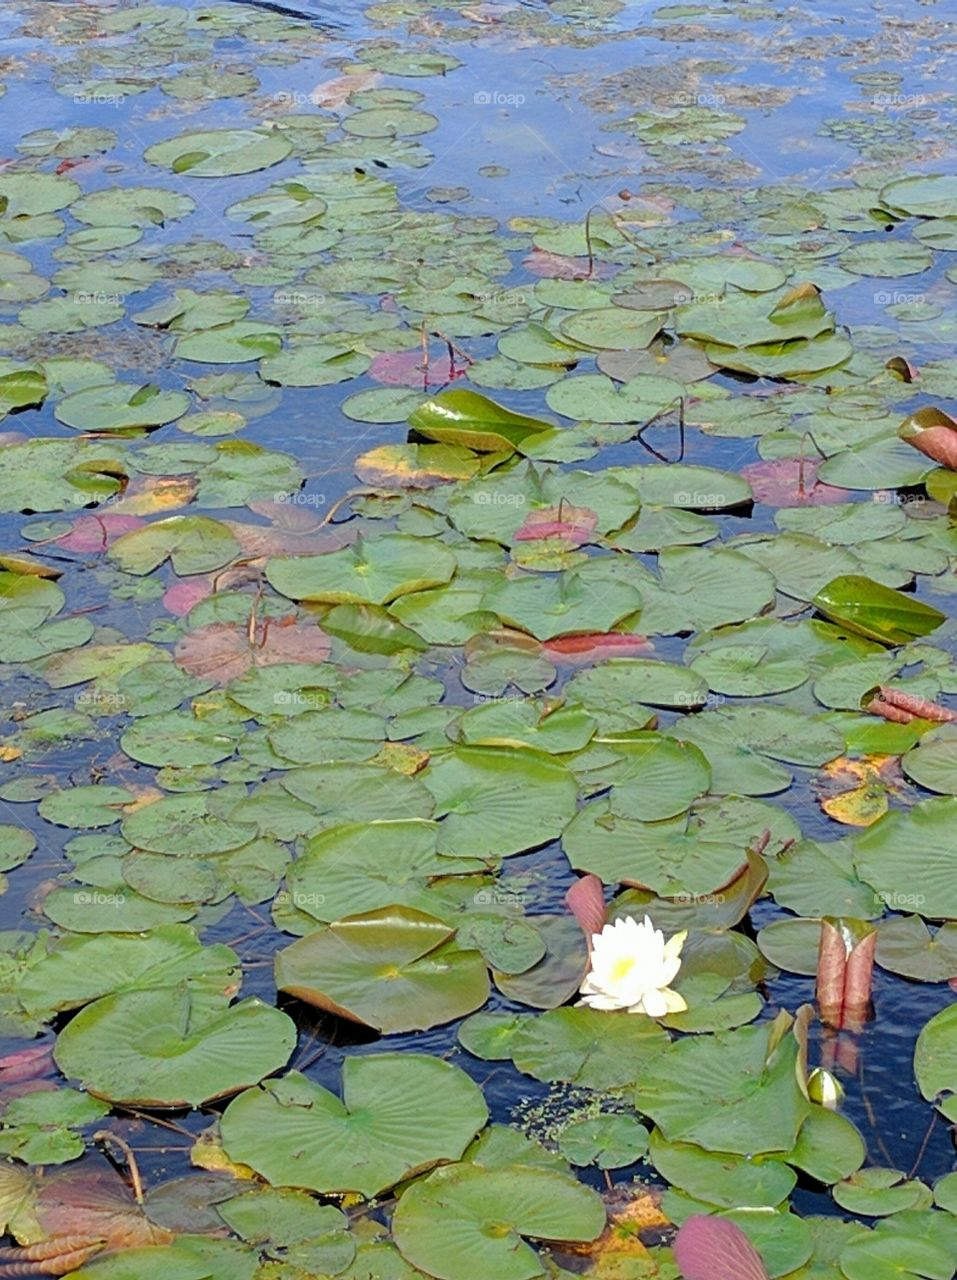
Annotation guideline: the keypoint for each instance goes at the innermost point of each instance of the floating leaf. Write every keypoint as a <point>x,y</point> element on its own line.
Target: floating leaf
<point>172,1048</point>
<point>878,612</point>
<point>121,406</point>
<point>499,800</point>
<point>395,969</point>
<point>440,1224</point>
<point>399,1114</point>
<point>473,421</point>
<point>220,153</point>
<point>372,571</point>
<point>735,1091</point>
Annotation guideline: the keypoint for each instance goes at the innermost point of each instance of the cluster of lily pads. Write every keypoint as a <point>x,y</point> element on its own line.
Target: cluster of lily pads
<point>238,703</point>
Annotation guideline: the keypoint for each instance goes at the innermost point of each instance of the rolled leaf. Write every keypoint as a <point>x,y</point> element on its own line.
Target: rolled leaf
<point>586,901</point>
<point>845,971</point>
<point>934,433</point>
<point>902,708</point>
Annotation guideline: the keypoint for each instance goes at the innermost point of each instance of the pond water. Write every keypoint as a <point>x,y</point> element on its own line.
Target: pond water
<point>709,250</point>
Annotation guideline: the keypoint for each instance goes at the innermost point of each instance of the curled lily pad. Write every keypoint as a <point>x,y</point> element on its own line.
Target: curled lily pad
<point>878,612</point>
<point>470,419</point>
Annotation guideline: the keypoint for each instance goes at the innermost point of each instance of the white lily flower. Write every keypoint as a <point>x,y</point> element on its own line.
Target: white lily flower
<point>631,967</point>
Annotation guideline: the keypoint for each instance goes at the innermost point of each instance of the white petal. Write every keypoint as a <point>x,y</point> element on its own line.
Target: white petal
<point>654,1004</point>
<point>676,1003</point>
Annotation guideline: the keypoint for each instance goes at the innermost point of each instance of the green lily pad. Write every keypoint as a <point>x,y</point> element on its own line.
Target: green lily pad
<point>499,800</point>
<point>610,1141</point>
<point>924,195</point>
<point>121,406</point>
<point>467,418</point>
<point>371,571</point>
<point>593,397</point>
<point>232,343</point>
<point>906,946</point>
<point>587,1047</point>
<point>172,1047</point>
<point>389,122</point>
<point>131,207</point>
<point>722,1179</point>
<point>75,969</point>
<point>220,153</point>
<point>399,1114</point>
<point>395,969</point>
<point>441,1223</point>
<point>192,544</point>
<point>593,597</point>
<point>735,1091</point>
<point>904,855</point>
<point>932,763</point>
<point>318,364</point>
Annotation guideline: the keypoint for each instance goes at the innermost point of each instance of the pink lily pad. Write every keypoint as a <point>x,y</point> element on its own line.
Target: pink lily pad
<point>791,482</point>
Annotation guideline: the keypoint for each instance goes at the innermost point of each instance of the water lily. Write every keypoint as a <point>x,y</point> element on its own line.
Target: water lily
<point>825,1089</point>
<point>631,967</point>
